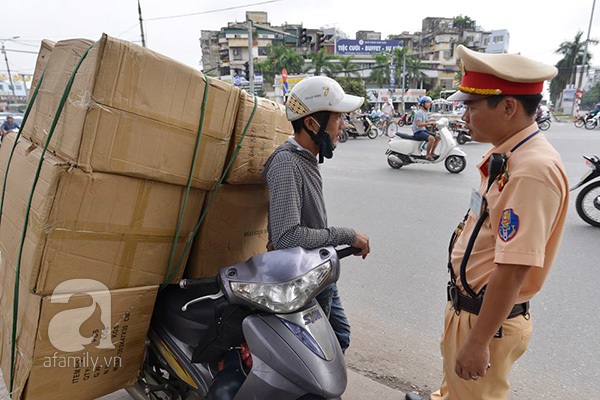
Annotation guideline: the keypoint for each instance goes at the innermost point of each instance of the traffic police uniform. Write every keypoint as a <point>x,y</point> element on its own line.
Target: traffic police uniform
<point>516,217</point>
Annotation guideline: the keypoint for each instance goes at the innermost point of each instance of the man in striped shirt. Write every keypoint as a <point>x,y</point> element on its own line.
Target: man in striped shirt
<point>297,215</point>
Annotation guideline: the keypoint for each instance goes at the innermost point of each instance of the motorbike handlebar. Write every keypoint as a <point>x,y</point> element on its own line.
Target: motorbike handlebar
<point>347,251</point>
<point>212,282</point>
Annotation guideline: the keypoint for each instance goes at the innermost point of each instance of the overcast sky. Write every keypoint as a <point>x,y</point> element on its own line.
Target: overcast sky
<point>536,27</point>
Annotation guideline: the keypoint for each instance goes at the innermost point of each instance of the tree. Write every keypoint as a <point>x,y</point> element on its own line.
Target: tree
<point>347,68</point>
<point>321,62</point>
<point>413,70</point>
<point>380,73</point>
<point>591,97</point>
<point>355,87</point>
<point>463,23</point>
<point>279,57</point>
<point>567,67</point>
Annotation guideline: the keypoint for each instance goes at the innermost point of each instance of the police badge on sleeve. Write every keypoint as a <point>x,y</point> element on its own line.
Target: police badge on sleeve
<point>509,225</point>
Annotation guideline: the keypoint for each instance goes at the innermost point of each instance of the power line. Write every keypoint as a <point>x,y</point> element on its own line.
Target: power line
<point>213,11</point>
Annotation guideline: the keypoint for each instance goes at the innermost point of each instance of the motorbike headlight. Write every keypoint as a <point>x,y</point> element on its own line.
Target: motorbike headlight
<point>284,297</point>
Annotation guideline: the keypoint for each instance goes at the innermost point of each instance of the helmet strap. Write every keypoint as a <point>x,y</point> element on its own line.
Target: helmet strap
<point>322,138</point>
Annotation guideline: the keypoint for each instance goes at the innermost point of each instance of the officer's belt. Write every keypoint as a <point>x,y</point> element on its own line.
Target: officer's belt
<point>460,302</point>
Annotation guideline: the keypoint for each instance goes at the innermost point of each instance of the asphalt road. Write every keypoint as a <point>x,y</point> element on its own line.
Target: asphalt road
<point>395,298</point>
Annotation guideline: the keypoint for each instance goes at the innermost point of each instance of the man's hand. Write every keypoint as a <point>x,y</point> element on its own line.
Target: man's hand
<point>472,360</point>
<point>362,242</point>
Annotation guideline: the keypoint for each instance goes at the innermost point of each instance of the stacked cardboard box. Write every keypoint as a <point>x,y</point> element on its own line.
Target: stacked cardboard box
<point>104,213</point>
<point>235,226</point>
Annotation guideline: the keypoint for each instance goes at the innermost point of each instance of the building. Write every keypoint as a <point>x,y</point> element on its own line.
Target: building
<point>225,52</point>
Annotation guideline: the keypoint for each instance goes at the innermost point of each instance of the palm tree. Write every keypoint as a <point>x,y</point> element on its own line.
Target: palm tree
<point>413,70</point>
<point>380,74</point>
<point>567,67</point>
<point>279,57</point>
<point>347,68</point>
<point>321,62</point>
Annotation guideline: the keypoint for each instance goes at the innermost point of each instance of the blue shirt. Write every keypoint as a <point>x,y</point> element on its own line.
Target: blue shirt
<point>9,127</point>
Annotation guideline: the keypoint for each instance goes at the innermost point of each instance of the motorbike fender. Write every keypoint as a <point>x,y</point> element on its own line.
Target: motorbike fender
<point>283,367</point>
<point>594,175</point>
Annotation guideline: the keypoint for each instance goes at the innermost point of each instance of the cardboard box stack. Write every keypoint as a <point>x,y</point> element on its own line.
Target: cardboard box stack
<point>104,213</point>
<point>235,225</point>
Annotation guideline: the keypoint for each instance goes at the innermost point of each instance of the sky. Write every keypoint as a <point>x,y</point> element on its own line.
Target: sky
<point>172,27</point>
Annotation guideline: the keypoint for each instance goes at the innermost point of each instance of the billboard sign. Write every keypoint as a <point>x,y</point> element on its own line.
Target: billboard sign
<point>364,47</point>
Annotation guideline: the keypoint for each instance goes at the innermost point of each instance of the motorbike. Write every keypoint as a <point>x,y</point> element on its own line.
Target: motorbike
<point>588,200</point>
<point>254,331</point>
<point>406,119</point>
<point>580,120</point>
<point>592,122</point>
<point>404,149</point>
<point>461,132</point>
<point>362,125</point>
<point>543,122</point>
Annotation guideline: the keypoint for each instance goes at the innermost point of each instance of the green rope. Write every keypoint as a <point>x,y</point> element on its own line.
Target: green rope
<point>190,238</point>
<point>63,100</point>
<point>12,151</point>
<point>190,179</point>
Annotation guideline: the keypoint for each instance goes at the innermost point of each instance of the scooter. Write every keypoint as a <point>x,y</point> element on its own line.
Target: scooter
<point>406,119</point>
<point>543,122</point>
<point>405,149</point>
<point>461,133</point>
<point>588,200</point>
<point>255,331</point>
<point>362,125</point>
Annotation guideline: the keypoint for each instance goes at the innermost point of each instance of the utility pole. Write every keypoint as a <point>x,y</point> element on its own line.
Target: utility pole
<point>12,85</point>
<point>141,24</point>
<point>403,79</point>
<point>250,57</point>
<point>585,52</point>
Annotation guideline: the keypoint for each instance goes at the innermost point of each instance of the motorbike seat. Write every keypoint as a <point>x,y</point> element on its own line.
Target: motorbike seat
<point>407,136</point>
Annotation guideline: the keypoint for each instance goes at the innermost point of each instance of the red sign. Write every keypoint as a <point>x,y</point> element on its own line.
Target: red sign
<point>284,75</point>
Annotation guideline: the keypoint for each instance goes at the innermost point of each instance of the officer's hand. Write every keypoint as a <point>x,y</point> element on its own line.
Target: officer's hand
<point>472,361</point>
<point>362,242</point>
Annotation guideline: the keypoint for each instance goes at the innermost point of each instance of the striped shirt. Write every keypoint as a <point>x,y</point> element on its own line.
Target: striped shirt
<point>297,215</point>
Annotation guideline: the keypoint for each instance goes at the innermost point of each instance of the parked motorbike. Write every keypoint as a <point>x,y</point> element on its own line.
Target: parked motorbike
<point>255,331</point>
<point>543,122</point>
<point>588,200</point>
<point>362,125</point>
<point>404,149</point>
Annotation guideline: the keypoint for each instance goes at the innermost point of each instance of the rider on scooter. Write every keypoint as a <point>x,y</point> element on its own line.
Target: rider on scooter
<point>420,124</point>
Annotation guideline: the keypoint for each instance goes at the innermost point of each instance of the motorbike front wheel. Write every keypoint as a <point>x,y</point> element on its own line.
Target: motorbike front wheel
<point>588,204</point>
<point>455,164</point>
<point>591,124</point>
<point>579,123</point>
<point>373,133</point>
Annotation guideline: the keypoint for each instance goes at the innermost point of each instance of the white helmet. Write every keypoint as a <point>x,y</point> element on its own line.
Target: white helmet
<point>319,93</point>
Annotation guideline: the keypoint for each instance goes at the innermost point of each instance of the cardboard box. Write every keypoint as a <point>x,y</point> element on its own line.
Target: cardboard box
<point>111,228</point>
<point>75,346</point>
<point>134,112</point>
<point>40,64</point>
<point>269,128</point>
<point>234,229</point>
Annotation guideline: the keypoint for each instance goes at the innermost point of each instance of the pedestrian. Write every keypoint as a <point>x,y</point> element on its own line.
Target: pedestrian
<point>297,214</point>
<point>502,252</point>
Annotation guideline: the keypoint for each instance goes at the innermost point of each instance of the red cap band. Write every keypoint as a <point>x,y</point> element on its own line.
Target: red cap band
<point>487,84</point>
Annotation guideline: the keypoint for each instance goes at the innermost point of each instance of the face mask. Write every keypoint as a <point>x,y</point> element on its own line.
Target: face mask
<point>322,139</point>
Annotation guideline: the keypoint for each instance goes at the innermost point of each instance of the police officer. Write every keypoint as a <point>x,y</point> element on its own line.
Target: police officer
<point>501,253</point>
